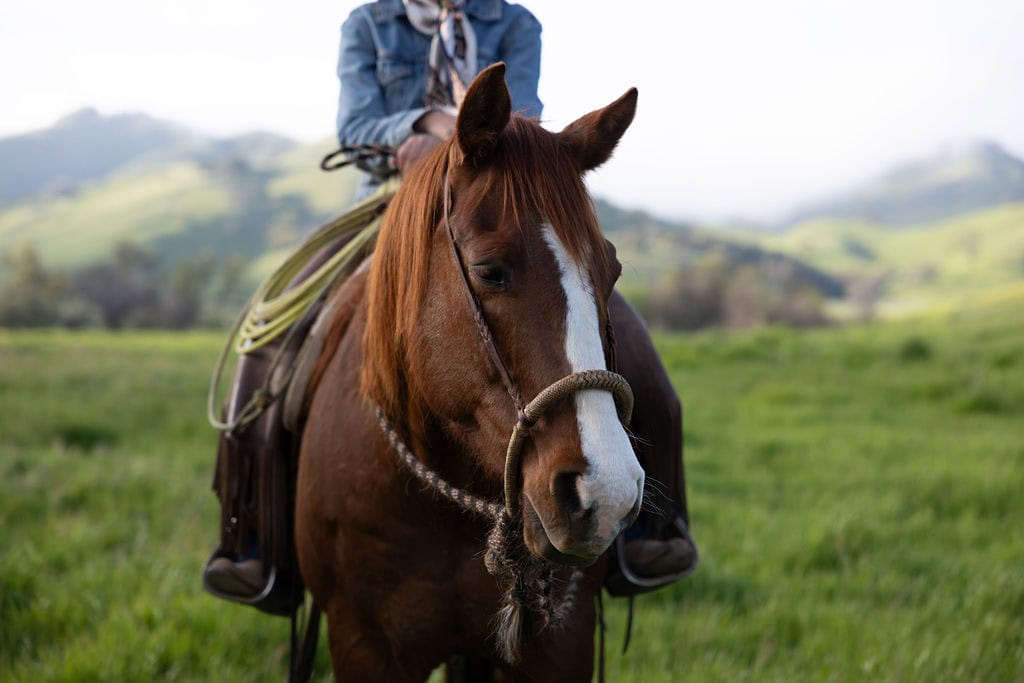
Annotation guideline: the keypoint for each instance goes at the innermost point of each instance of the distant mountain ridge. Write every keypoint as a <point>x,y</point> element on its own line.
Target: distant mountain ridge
<point>955,181</point>
<point>76,191</point>
<point>86,147</point>
<point>243,203</point>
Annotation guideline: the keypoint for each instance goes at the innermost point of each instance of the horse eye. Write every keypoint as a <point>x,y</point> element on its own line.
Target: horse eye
<point>492,274</point>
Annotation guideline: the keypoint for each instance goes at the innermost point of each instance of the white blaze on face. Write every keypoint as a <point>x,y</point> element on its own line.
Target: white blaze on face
<point>614,478</point>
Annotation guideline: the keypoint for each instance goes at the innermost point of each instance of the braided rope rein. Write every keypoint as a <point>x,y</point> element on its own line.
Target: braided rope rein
<point>435,482</point>
<point>530,584</point>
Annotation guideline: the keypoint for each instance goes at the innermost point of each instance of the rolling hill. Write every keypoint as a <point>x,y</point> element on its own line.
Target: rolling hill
<point>81,147</point>
<point>947,264</point>
<point>957,180</point>
<point>941,233</point>
<point>174,193</point>
<point>652,249</point>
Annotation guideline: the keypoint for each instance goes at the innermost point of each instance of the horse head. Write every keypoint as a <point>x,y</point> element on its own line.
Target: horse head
<point>527,242</point>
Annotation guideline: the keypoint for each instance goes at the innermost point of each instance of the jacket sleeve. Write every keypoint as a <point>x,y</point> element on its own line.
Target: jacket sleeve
<point>520,50</point>
<point>362,116</point>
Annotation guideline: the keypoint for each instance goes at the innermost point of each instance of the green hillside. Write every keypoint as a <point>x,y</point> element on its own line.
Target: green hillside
<point>86,146</point>
<point>241,204</point>
<point>223,205</point>
<point>948,264</point>
<point>73,230</point>
<point>253,198</point>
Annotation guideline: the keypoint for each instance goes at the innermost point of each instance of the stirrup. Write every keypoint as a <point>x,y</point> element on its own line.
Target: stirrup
<point>276,597</point>
<point>623,582</point>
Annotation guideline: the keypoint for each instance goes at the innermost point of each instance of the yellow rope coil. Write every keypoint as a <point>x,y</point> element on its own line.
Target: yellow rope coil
<point>273,308</point>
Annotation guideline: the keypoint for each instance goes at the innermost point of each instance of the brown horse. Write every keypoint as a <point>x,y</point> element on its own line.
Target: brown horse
<point>398,569</point>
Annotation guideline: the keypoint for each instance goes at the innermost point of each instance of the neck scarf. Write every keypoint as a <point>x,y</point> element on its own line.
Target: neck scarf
<point>452,50</point>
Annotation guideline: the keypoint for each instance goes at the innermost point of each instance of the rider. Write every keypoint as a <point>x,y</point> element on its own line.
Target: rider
<point>403,64</point>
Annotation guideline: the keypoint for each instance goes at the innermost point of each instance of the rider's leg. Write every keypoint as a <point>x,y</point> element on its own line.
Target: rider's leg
<point>237,570</point>
<point>250,478</point>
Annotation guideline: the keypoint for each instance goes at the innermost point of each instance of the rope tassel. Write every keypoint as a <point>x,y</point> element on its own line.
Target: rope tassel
<point>528,582</point>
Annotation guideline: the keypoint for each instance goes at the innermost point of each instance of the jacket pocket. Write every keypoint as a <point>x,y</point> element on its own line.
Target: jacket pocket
<point>390,70</point>
<point>402,83</point>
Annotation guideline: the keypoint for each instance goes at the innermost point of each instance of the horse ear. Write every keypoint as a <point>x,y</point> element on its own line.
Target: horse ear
<point>592,137</point>
<point>485,112</point>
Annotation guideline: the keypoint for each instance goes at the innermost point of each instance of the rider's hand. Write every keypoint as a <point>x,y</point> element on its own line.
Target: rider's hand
<point>415,147</point>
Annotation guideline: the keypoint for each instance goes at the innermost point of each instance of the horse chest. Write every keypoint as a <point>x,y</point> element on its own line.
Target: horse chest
<point>420,583</point>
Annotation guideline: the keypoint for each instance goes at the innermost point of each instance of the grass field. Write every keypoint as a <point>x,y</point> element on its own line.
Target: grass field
<point>858,495</point>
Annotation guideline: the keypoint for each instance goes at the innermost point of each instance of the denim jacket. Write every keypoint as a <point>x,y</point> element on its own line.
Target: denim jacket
<point>383,66</point>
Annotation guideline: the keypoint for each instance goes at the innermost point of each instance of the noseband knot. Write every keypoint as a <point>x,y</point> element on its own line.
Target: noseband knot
<point>600,380</point>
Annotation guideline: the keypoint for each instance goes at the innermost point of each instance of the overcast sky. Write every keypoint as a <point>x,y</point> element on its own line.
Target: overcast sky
<point>746,107</point>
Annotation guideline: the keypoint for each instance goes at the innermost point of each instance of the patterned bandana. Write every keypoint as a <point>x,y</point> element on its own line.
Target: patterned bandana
<point>452,50</point>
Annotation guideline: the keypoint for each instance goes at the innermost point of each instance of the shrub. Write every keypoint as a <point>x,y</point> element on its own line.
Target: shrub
<point>915,349</point>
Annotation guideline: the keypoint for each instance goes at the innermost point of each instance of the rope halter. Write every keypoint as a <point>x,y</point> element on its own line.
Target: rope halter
<point>602,380</point>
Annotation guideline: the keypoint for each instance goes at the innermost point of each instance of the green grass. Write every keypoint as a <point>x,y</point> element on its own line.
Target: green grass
<point>857,494</point>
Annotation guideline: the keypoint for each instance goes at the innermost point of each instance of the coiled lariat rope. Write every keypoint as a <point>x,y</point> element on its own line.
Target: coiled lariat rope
<point>274,309</point>
<point>530,582</point>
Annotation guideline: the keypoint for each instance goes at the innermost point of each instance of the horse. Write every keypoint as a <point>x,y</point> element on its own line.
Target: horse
<point>419,533</point>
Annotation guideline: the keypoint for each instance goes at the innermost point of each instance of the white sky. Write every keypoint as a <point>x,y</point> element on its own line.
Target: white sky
<point>746,107</point>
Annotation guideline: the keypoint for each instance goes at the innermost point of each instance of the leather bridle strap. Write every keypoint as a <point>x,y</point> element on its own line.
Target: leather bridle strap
<point>602,380</point>
<point>477,311</point>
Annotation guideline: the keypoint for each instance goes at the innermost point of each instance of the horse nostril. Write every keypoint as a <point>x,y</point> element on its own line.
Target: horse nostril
<point>566,493</point>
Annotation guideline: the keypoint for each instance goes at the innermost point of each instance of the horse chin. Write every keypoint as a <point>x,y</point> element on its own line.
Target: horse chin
<point>537,541</point>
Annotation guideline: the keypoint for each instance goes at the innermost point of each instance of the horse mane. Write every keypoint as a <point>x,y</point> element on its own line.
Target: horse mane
<point>529,169</point>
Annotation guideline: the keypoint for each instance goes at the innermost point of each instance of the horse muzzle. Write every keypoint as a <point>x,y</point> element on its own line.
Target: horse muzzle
<point>572,538</point>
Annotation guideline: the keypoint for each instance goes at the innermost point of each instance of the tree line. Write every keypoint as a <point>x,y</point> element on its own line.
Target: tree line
<point>718,292</point>
<point>130,289</point>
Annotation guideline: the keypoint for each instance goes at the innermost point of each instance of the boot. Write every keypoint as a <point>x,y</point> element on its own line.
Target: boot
<point>243,579</point>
